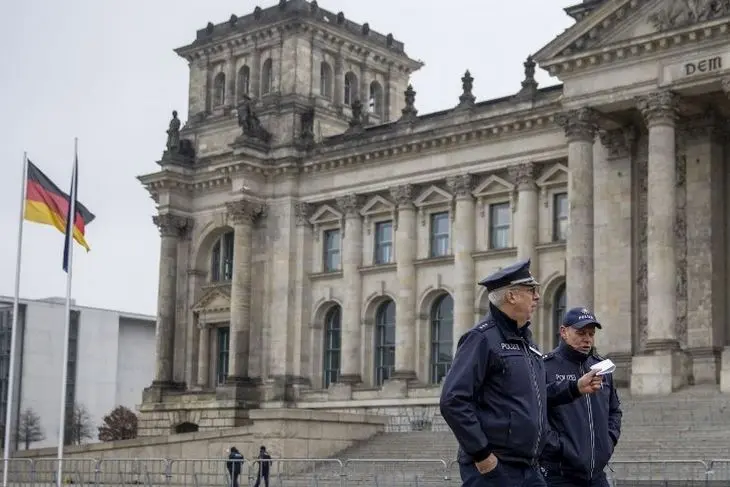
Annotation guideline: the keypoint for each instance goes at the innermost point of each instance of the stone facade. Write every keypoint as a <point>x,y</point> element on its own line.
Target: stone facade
<point>322,252</point>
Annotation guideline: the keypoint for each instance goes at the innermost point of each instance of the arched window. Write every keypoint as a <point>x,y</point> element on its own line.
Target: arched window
<point>267,77</point>
<point>186,427</point>
<point>332,346</point>
<point>221,259</point>
<point>558,312</point>
<point>384,342</point>
<point>350,88</point>
<point>375,104</point>
<point>442,337</point>
<point>325,80</point>
<point>219,90</point>
<point>244,81</point>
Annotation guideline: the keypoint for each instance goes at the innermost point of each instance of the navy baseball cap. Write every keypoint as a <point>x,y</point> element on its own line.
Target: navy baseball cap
<point>580,318</point>
<point>512,275</point>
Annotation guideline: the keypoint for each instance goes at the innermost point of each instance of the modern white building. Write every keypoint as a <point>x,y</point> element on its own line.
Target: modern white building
<point>111,359</point>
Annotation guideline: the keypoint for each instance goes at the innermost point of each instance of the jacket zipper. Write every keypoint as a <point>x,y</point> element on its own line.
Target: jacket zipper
<point>590,427</point>
<point>533,375</point>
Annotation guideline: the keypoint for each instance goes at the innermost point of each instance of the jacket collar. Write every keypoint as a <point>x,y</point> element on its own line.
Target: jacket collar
<point>509,326</point>
<point>572,354</point>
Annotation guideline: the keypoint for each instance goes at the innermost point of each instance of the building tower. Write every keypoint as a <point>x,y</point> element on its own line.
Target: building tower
<point>264,90</point>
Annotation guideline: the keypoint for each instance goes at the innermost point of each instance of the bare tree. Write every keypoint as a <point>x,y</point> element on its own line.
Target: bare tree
<point>119,424</point>
<point>79,425</point>
<point>30,429</point>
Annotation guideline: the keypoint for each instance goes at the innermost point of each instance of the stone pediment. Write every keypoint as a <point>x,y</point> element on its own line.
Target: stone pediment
<point>433,195</point>
<point>377,205</point>
<point>624,29</point>
<point>493,186</point>
<point>325,214</point>
<point>217,298</point>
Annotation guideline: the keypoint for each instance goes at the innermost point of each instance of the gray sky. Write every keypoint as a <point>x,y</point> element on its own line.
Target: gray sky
<point>104,71</point>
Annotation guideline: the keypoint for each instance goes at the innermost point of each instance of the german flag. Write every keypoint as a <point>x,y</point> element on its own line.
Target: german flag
<point>45,203</point>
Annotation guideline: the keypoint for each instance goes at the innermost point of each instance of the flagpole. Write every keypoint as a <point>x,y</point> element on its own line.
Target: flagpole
<point>14,327</point>
<point>70,225</point>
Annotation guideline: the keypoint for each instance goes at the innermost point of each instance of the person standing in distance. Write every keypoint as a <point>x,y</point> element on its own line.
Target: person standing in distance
<point>585,432</point>
<point>494,397</point>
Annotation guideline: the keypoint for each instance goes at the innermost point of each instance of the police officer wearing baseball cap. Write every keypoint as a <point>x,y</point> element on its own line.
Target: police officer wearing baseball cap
<point>494,397</point>
<point>585,432</point>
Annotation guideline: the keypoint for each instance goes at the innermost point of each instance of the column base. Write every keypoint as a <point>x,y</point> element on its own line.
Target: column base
<point>725,370</point>
<point>659,372</point>
<point>705,365</point>
<point>285,388</point>
<point>244,390</point>
<point>157,390</point>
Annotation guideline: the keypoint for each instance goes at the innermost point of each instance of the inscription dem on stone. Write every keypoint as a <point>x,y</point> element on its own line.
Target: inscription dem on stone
<point>703,66</point>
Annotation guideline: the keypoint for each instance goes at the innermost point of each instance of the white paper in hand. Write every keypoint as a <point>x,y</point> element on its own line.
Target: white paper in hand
<point>605,367</point>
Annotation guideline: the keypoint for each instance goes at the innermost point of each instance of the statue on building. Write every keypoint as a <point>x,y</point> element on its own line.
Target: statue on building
<point>249,121</point>
<point>173,133</point>
<point>306,132</point>
<point>177,149</point>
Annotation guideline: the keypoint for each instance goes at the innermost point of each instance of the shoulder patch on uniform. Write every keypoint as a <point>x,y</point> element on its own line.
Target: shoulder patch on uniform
<point>549,356</point>
<point>485,326</point>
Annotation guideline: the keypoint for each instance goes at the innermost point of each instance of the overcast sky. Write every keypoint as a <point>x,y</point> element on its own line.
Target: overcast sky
<point>104,71</point>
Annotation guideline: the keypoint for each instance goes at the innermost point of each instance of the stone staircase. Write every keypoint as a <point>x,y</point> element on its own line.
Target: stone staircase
<point>676,434</point>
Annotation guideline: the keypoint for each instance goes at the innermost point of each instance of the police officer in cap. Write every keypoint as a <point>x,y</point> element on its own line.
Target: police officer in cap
<point>494,397</point>
<point>585,432</point>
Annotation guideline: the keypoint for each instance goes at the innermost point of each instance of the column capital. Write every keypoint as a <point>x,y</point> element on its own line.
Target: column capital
<point>619,142</point>
<point>350,205</point>
<point>659,108</point>
<point>171,225</point>
<point>523,175</point>
<point>302,211</point>
<point>403,195</point>
<point>244,211</point>
<point>579,124</point>
<point>461,186</point>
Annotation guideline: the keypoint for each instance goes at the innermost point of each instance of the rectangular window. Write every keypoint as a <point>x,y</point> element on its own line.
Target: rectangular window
<point>383,243</point>
<point>223,340</point>
<point>440,234</point>
<point>331,250</point>
<point>560,217</point>
<point>499,224</point>
<point>227,262</point>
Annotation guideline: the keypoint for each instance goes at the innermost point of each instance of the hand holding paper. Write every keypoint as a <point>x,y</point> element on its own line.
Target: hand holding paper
<point>604,368</point>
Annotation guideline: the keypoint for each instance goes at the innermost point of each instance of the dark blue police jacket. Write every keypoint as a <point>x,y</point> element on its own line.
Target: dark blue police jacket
<point>495,398</point>
<point>586,431</point>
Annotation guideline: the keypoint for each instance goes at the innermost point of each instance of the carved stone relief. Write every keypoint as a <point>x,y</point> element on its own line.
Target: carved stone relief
<point>680,232</point>
<point>642,162</point>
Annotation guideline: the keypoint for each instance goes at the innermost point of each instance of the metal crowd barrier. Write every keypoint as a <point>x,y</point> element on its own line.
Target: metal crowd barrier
<point>327,472</point>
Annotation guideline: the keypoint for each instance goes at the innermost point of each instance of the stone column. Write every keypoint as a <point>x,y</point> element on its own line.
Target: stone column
<point>660,112</point>
<point>405,308</point>
<point>351,262</point>
<point>339,81</point>
<point>464,236</point>
<point>203,355</point>
<point>525,223</point>
<point>171,228</point>
<point>231,76</point>
<point>580,130</point>
<point>242,215</point>
<point>659,371</point>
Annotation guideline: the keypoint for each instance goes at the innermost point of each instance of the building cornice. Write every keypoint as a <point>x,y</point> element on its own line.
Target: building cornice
<point>393,144</point>
<point>331,36</point>
<point>575,58</point>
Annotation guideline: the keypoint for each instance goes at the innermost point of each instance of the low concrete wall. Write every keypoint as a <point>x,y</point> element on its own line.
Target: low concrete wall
<point>287,433</point>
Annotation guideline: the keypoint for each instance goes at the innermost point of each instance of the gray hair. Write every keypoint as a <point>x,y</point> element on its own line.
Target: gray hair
<point>498,296</point>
